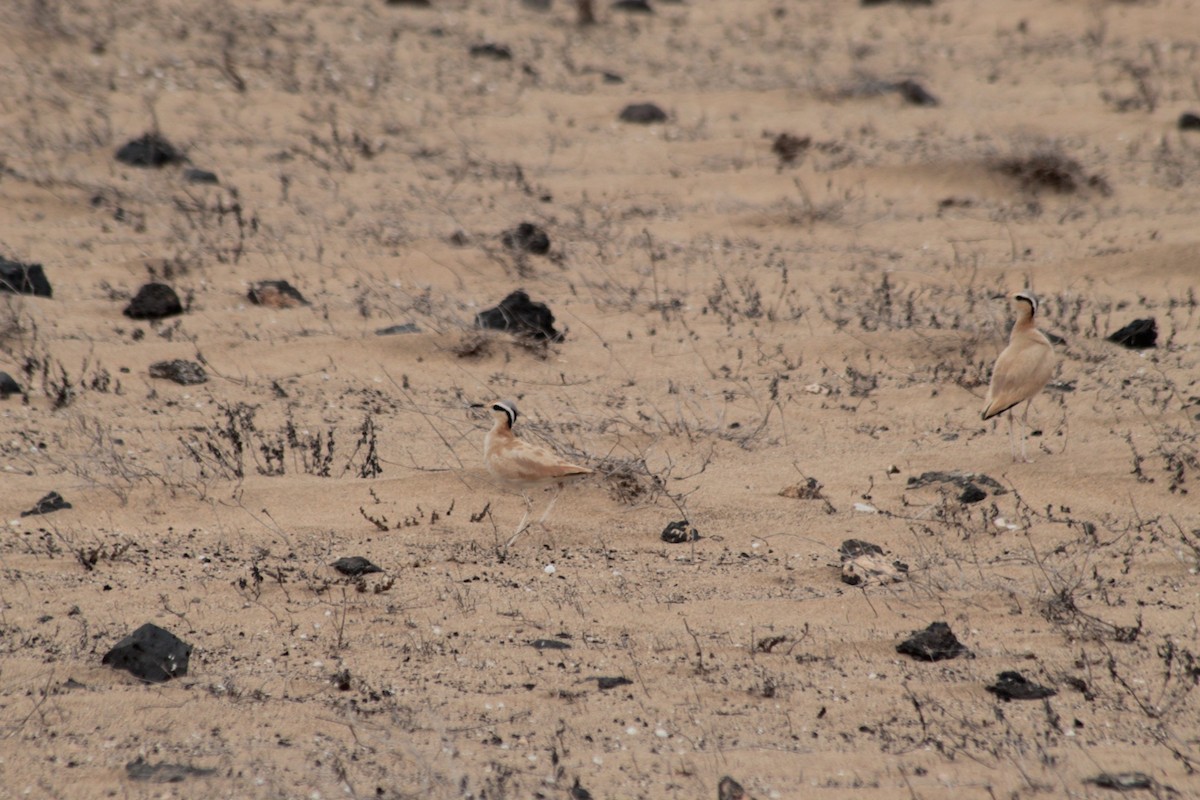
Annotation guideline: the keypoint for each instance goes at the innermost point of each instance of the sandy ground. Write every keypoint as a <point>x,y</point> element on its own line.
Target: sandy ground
<point>735,324</point>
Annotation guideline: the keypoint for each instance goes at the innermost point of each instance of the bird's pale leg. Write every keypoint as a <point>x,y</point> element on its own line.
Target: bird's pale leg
<point>521,526</point>
<point>553,500</point>
<point>1012,441</point>
<point>1025,431</point>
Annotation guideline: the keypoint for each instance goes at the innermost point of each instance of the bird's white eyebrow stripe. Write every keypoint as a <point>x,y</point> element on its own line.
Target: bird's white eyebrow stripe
<point>509,410</point>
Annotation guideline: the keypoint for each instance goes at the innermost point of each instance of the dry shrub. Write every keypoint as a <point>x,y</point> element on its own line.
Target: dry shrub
<point>1051,169</point>
<point>477,344</point>
<point>629,480</point>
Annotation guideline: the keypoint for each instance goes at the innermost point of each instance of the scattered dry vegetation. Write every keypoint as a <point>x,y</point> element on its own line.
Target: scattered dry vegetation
<point>758,291</point>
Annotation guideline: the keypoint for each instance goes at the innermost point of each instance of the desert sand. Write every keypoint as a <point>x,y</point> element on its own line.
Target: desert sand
<point>779,305</point>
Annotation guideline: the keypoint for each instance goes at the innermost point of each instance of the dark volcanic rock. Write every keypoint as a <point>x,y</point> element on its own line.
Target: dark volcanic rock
<point>679,532</point>
<point>643,113</point>
<point>729,789</point>
<point>1015,686</point>
<point>185,373</point>
<point>853,548</point>
<point>527,237</point>
<point>192,175</point>
<point>969,482</point>
<point>276,294</point>
<point>1081,686</point>
<point>858,571</point>
<point>404,327</point>
<point>8,386</point>
<point>1122,781</point>
<point>549,644</point>
<point>498,52</point>
<point>935,643</point>
<point>634,6</point>
<point>141,770</point>
<point>613,682</point>
<point>51,502</point>
<point>915,94</point>
<point>151,654</point>
<point>149,150</point>
<point>518,314</point>
<point>154,301</point>
<point>1189,121</point>
<point>18,278</point>
<point>863,561</point>
<point>354,566</point>
<point>971,494</point>
<point>1137,335</point>
<point>578,792</point>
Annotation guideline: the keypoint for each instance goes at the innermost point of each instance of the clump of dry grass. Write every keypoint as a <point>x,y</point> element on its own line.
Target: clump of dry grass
<point>1050,169</point>
<point>789,149</point>
<point>473,345</point>
<point>11,327</point>
<point>234,446</point>
<point>479,344</point>
<point>629,480</point>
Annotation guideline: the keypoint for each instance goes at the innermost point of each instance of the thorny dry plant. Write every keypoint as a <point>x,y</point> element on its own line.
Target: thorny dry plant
<point>13,324</point>
<point>229,448</point>
<point>106,460</point>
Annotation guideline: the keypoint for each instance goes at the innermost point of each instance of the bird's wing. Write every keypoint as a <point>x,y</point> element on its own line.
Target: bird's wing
<point>1020,372</point>
<point>530,462</point>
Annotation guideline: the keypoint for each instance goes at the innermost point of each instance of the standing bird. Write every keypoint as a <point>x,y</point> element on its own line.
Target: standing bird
<point>1021,370</point>
<point>522,466</point>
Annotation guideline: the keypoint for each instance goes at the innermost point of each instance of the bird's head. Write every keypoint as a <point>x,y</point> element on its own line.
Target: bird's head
<point>504,411</point>
<point>1023,301</point>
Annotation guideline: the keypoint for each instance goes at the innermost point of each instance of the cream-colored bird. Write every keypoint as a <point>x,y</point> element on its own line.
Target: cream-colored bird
<point>1021,371</point>
<point>520,465</point>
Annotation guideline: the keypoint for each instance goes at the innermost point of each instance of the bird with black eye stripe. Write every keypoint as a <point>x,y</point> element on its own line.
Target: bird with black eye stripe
<point>1021,370</point>
<point>523,466</point>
